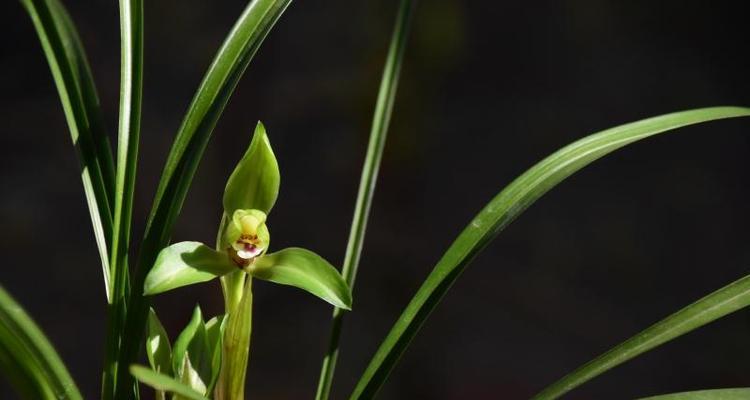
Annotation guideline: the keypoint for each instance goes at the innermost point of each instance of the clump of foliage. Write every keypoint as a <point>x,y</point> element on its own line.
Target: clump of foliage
<point>208,359</point>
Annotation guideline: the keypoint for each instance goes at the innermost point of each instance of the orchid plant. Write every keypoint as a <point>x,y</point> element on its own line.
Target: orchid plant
<point>208,359</point>
<point>239,256</point>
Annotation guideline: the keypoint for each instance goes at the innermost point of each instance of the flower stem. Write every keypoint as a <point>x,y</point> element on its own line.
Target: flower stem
<point>236,346</point>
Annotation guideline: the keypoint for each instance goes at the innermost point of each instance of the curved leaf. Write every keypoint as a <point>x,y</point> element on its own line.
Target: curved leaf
<point>164,383</point>
<point>254,184</point>
<point>715,394</point>
<point>28,359</point>
<point>726,300</point>
<point>500,212</point>
<point>77,91</point>
<point>186,263</point>
<point>305,270</point>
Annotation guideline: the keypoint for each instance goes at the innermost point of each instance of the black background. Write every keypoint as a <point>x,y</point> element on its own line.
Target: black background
<point>488,89</point>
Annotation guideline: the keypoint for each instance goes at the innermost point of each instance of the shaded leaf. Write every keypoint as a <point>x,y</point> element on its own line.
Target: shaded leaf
<point>305,270</point>
<point>186,263</point>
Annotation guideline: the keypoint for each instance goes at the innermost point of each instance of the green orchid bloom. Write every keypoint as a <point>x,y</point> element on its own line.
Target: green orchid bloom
<point>244,239</point>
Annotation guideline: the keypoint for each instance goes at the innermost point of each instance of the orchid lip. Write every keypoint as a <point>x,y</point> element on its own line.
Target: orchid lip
<point>249,251</point>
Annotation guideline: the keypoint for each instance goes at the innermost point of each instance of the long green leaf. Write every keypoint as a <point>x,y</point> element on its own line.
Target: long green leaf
<point>715,394</point>
<point>28,358</point>
<point>378,133</point>
<point>212,96</point>
<point>131,91</point>
<point>708,309</point>
<point>500,212</point>
<point>77,91</point>
<point>164,383</point>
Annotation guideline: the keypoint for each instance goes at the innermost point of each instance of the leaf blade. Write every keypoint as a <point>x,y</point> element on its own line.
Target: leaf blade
<point>28,355</point>
<point>713,394</point>
<point>368,179</point>
<point>724,301</point>
<point>305,270</point>
<point>77,91</point>
<point>501,211</point>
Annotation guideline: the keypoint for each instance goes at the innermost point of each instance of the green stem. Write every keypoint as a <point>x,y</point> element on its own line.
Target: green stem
<point>380,122</point>
<point>236,347</point>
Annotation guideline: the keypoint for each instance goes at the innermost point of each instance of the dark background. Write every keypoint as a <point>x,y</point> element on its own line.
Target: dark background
<point>488,89</point>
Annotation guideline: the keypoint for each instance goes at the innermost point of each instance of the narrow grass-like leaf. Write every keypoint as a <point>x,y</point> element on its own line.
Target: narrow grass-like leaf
<point>131,88</point>
<point>28,358</point>
<point>164,383</point>
<point>212,96</point>
<point>378,133</point>
<point>77,91</point>
<point>186,263</point>
<point>305,270</point>
<point>724,301</point>
<point>715,394</point>
<point>500,212</point>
